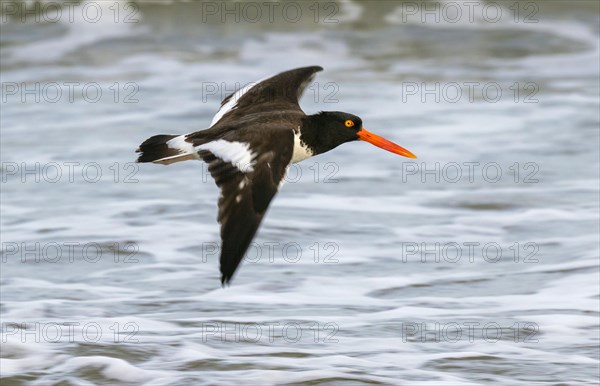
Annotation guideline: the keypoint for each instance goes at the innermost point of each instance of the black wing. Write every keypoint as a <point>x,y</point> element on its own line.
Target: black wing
<point>277,93</point>
<point>246,194</point>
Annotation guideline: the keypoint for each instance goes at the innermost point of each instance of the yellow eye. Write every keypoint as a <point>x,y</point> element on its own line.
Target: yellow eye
<point>349,123</point>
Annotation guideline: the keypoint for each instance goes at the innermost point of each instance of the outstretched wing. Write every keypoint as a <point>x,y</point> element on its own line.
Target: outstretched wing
<point>276,93</point>
<point>249,178</point>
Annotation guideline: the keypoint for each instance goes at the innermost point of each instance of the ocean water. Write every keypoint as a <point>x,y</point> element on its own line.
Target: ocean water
<point>475,264</point>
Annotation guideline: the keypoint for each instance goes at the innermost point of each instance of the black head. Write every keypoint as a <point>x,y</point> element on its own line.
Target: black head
<point>339,120</point>
<point>329,129</point>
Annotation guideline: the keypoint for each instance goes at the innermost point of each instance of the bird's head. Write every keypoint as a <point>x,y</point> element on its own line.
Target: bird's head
<point>335,128</point>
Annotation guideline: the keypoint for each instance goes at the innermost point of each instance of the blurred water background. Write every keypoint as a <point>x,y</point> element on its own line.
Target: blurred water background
<point>475,264</point>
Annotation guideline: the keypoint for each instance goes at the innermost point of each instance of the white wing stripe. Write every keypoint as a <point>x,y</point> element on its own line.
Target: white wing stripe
<point>236,153</point>
<point>232,102</point>
<point>181,144</point>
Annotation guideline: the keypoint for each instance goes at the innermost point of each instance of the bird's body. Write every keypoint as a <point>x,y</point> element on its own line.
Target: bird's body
<point>258,132</point>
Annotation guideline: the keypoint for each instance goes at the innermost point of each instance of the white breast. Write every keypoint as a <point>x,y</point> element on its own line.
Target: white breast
<point>301,150</point>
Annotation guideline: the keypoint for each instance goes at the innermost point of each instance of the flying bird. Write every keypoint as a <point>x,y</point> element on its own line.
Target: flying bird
<point>256,134</point>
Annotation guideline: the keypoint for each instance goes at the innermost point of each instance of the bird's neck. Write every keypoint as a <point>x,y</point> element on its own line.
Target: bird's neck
<point>314,134</point>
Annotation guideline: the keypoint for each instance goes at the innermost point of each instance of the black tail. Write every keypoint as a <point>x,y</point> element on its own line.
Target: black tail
<point>156,148</point>
<point>166,149</point>
<point>161,150</point>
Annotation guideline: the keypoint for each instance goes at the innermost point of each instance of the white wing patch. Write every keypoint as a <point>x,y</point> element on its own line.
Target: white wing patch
<point>186,150</point>
<point>237,153</point>
<point>232,102</point>
<point>181,144</point>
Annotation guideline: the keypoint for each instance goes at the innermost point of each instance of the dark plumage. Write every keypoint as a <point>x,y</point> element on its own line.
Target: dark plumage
<point>254,137</point>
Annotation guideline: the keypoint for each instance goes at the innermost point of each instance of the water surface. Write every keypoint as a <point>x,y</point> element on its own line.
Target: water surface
<point>364,284</point>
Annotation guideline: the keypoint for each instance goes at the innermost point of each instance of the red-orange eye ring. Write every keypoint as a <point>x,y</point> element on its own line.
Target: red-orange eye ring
<point>349,123</point>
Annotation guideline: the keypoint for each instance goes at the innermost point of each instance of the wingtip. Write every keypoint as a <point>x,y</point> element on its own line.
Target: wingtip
<point>314,68</point>
<point>225,281</point>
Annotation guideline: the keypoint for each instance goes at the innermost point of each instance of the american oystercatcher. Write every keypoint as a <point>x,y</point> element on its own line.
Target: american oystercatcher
<point>256,134</point>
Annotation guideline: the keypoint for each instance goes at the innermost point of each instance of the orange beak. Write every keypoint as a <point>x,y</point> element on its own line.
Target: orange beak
<point>383,143</point>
